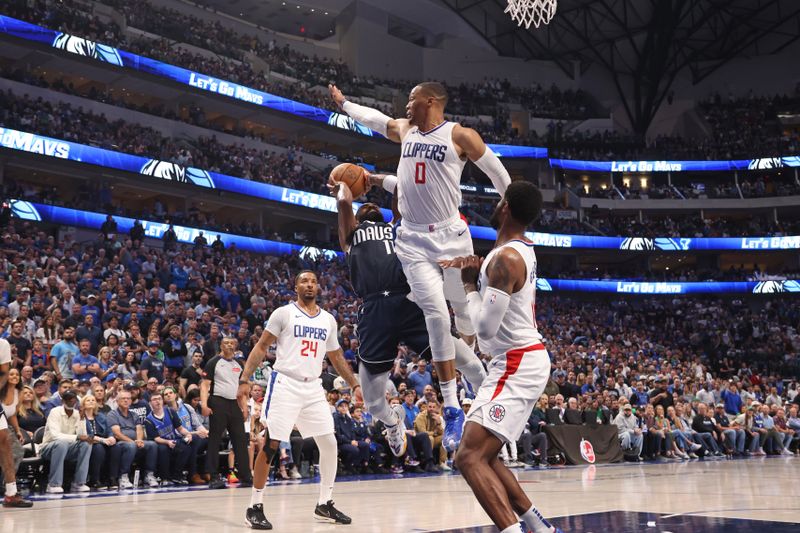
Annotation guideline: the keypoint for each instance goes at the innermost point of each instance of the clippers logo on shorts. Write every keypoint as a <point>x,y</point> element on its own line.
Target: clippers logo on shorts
<point>492,298</point>
<point>87,48</point>
<point>434,152</point>
<point>587,451</point>
<point>174,172</point>
<point>497,413</point>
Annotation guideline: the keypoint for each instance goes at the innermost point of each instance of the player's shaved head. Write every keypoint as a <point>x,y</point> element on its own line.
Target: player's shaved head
<point>369,212</point>
<point>433,89</point>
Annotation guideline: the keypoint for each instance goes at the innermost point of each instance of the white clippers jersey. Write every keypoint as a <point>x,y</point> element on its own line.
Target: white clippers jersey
<point>303,340</point>
<point>518,328</point>
<point>428,175</point>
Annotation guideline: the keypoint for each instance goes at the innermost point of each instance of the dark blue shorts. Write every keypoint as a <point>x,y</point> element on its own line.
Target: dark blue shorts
<point>385,322</point>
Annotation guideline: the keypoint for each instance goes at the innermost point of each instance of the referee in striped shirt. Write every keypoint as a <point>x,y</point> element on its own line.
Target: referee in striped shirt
<point>218,401</point>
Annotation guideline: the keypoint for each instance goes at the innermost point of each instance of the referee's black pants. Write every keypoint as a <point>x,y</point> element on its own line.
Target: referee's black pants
<point>227,415</point>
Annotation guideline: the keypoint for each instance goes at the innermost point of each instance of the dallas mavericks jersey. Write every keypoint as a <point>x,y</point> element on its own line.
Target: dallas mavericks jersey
<point>428,175</point>
<point>374,267</point>
<point>303,340</point>
<point>518,327</point>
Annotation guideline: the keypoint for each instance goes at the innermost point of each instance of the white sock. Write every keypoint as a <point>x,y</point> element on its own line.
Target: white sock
<point>536,522</point>
<point>327,466</point>
<point>469,365</point>
<point>515,528</point>
<point>449,393</point>
<point>11,489</point>
<point>256,497</point>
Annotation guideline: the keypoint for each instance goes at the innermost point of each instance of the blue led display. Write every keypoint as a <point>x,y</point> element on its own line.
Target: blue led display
<point>121,58</point>
<point>72,217</point>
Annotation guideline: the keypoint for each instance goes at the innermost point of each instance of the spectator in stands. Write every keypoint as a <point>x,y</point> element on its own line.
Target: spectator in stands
<point>163,426</point>
<point>89,330</point>
<point>84,364</point>
<point>193,423</point>
<point>63,352</point>
<point>429,421</point>
<point>732,437</point>
<point>630,435</point>
<point>419,378</point>
<point>65,439</point>
<point>101,442</point>
<point>30,416</point>
<point>703,424</point>
<point>131,445</point>
<point>354,453</point>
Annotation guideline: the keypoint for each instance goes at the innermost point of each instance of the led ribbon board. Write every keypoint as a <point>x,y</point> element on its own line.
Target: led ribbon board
<point>121,58</point>
<point>36,212</point>
<point>51,147</point>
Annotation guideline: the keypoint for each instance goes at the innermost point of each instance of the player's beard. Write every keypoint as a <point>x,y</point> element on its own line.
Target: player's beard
<point>495,219</point>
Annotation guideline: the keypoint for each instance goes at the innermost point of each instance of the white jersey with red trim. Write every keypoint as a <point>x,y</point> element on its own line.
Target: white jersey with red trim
<point>303,341</point>
<point>518,327</point>
<point>428,175</point>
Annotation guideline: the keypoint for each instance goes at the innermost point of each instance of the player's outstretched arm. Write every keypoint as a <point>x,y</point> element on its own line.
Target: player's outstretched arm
<point>392,129</point>
<point>347,220</point>
<point>506,275</point>
<point>336,357</point>
<point>476,151</point>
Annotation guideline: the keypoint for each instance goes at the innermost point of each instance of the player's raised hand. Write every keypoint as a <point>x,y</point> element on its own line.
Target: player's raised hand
<point>336,95</point>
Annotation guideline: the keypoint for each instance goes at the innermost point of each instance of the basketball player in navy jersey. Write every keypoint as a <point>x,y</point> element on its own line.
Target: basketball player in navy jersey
<point>432,157</point>
<point>387,316</point>
<point>500,301</point>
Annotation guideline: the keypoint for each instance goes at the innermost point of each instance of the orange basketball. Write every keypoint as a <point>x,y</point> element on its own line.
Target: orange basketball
<point>353,175</point>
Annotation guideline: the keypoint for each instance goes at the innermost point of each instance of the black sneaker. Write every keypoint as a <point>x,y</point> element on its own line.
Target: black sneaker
<point>329,513</point>
<point>255,517</point>
<point>18,501</point>
<point>216,482</point>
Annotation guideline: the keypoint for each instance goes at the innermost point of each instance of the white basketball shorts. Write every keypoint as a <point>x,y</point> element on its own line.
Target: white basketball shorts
<point>289,402</point>
<point>513,385</point>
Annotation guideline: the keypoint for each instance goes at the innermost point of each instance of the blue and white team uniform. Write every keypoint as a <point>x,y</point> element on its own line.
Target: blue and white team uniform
<point>294,394</point>
<point>520,365</point>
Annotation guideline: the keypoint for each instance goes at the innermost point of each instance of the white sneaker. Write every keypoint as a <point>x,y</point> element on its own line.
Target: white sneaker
<point>54,489</point>
<point>786,452</point>
<point>695,446</point>
<point>125,483</point>
<point>396,434</point>
<point>294,474</point>
<point>150,480</point>
<point>80,488</point>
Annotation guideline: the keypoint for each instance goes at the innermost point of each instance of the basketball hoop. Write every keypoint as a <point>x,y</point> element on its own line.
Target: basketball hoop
<point>527,12</point>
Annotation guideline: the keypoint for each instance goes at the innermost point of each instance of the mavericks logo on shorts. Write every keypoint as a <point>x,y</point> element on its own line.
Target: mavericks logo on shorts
<point>497,413</point>
<point>587,451</point>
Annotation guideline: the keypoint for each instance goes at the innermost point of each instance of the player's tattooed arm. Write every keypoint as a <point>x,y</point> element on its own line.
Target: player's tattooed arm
<point>336,357</point>
<point>506,271</point>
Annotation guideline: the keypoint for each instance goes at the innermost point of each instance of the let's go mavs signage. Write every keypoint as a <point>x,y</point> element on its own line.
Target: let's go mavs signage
<point>676,166</point>
<point>669,288</point>
<point>121,58</point>
<point>50,147</point>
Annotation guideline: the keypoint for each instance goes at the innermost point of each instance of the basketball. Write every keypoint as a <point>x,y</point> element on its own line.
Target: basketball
<point>353,175</point>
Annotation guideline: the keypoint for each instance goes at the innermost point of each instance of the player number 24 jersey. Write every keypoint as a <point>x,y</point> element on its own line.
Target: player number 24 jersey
<point>303,340</point>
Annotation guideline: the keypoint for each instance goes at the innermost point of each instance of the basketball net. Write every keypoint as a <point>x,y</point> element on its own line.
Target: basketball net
<point>527,12</point>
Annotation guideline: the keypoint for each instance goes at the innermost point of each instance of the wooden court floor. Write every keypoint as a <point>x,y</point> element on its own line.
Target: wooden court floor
<point>699,496</point>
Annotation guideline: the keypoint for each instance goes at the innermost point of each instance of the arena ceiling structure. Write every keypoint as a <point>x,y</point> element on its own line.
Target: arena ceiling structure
<point>643,45</point>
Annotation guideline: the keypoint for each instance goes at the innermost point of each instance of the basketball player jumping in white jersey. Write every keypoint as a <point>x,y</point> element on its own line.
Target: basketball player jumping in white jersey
<point>432,158</point>
<point>501,295</point>
<point>305,334</point>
